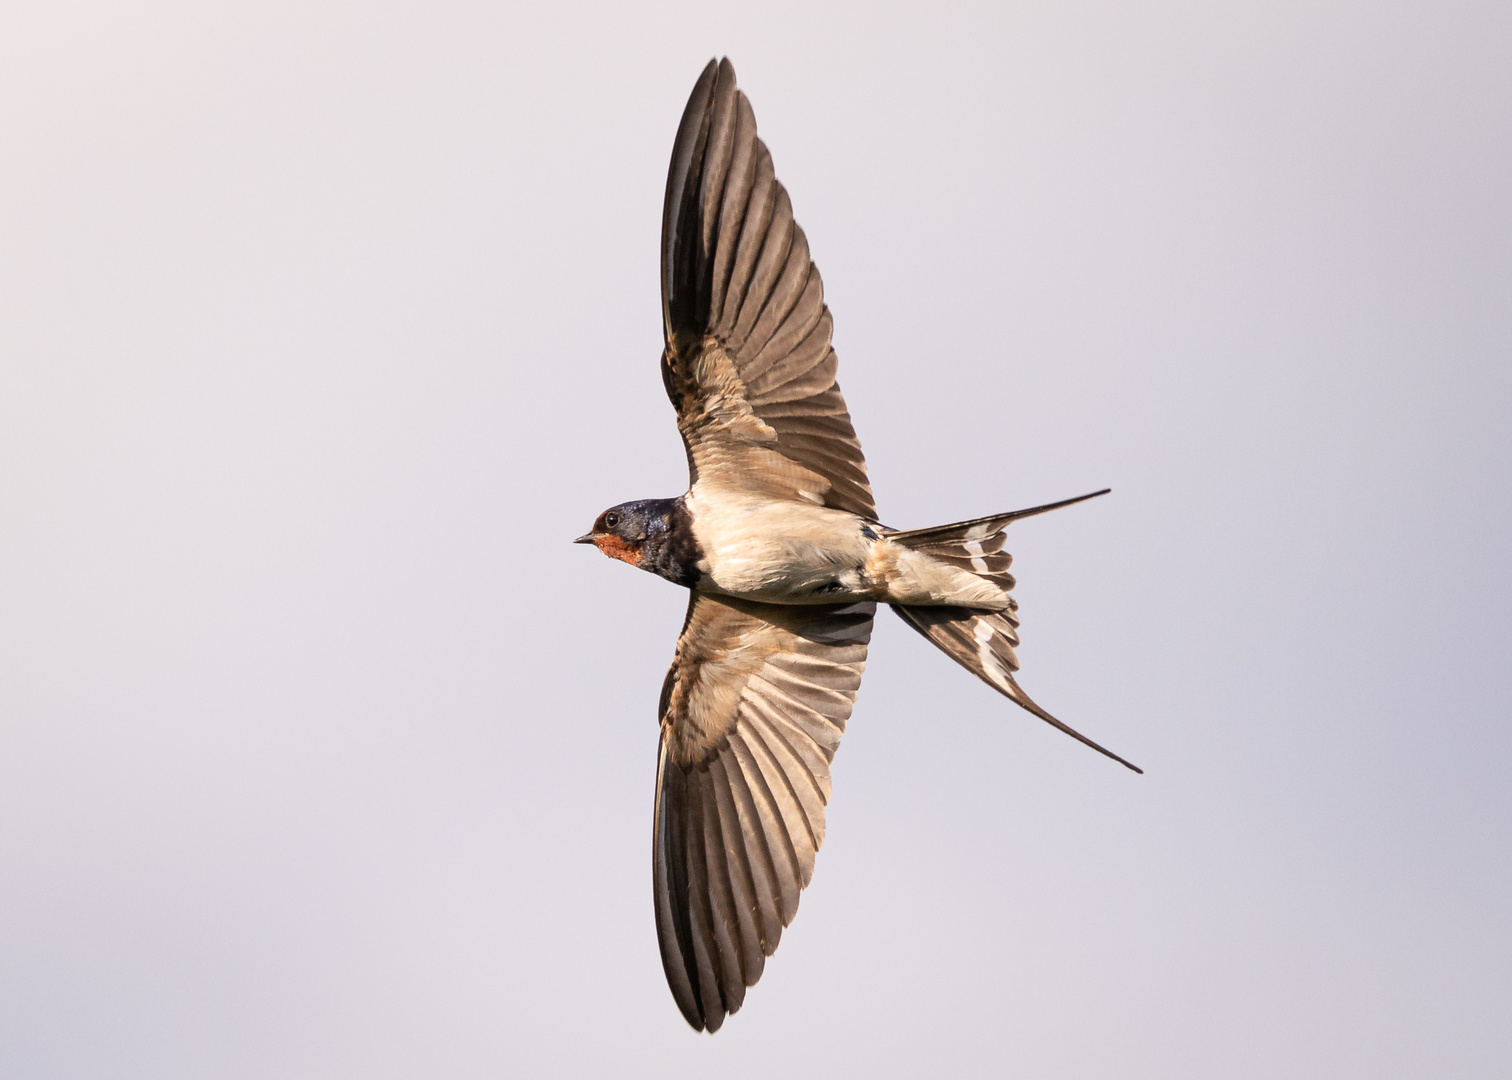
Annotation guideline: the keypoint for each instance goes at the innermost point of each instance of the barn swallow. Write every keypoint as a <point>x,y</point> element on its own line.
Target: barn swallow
<point>778,543</point>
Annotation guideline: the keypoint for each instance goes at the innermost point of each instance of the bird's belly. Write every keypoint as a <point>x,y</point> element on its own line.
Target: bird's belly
<point>779,552</point>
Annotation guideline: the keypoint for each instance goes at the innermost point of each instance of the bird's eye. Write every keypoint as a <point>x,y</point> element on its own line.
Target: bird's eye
<point>611,520</point>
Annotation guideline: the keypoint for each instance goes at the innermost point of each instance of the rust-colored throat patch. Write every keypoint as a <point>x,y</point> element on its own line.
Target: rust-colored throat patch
<point>618,548</point>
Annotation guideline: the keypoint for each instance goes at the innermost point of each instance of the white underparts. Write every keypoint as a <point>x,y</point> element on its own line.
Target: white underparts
<point>787,552</point>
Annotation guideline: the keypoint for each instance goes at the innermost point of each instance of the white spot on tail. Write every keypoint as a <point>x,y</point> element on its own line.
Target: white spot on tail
<point>974,549</point>
<point>984,633</point>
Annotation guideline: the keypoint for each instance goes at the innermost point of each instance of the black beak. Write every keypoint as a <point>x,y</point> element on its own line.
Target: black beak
<point>586,538</point>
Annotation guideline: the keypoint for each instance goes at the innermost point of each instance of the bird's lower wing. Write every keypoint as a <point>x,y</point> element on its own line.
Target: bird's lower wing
<point>751,714</point>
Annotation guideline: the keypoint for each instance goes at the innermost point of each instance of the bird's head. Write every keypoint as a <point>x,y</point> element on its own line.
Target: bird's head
<point>621,532</point>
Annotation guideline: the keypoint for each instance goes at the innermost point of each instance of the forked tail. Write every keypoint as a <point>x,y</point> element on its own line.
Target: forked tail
<point>981,641</point>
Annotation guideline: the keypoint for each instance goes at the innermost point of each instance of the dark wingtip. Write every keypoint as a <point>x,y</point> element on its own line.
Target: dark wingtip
<point>683,148</point>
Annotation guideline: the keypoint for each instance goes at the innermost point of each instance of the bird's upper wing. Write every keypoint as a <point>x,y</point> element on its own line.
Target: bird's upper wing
<point>748,362</point>
<point>751,714</point>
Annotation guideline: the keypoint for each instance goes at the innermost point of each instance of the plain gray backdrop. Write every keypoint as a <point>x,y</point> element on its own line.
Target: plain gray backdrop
<point>325,327</point>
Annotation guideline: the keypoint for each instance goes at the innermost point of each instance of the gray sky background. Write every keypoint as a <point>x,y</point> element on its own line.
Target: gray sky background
<point>324,327</point>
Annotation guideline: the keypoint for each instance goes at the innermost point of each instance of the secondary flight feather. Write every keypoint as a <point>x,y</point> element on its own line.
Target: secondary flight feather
<point>778,544</point>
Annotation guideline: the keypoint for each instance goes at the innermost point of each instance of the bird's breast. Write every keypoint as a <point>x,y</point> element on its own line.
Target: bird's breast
<point>777,551</point>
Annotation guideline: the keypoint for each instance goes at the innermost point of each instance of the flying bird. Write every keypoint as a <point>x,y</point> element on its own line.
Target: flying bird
<point>778,544</point>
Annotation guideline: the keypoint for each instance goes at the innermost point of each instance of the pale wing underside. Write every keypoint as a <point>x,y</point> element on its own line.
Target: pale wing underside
<point>748,363</point>
<point>751,714</point>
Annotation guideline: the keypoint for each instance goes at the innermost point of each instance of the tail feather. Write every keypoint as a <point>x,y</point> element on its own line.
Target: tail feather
<point>982,528</point>
<point>982,642</point>
<point>984,557</point>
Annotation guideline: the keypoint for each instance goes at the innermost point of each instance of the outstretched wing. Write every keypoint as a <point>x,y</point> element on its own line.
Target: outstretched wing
<point>751,714</point>
<point>748,362</point>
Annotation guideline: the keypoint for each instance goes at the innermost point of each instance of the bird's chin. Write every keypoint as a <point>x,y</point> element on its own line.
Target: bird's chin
<point>616,548</point>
